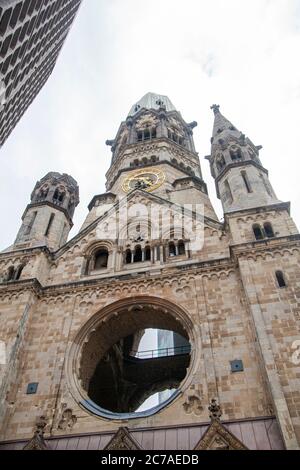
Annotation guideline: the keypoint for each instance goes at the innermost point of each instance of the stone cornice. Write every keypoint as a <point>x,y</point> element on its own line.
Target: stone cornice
<point>143,429</point>
<point>198,268</point>
<point>99,197</point>
<point>22,285</point>
<point>199,183</point>
<point>53,206</point>
<point>256,248</point>
<point>26,252</point>
<point>255,210</point>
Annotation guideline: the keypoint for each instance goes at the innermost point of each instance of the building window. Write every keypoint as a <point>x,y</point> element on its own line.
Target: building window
<point>236,154</point>
<point>11,273</point>
<point>49,225</point>
<point>101,259</point>
<point>30,225</point>
<point>228,193</point>
<point>59,196</point>
<point>18,272</point>
<point>181,247</point>
<point>269,230</point>
<point>280,279</point>
<point>138,254</point>
<point>43,193</point>
<point>148,253</point>
<point>128,256</point>
<point>146,134</point>
<point>246,181</point>
<point>172,249</point>
<point>258,233</point>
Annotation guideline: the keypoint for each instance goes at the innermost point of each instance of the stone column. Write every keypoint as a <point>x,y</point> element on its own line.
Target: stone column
<point>162,129</point>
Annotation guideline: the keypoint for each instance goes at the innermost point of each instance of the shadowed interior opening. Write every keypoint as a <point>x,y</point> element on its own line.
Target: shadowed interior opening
<point>119,373</point>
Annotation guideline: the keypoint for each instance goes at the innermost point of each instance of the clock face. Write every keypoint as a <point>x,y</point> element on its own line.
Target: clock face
<point>147,179</point>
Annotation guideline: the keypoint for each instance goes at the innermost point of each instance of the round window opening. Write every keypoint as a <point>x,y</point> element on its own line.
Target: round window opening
<point>132,364</point>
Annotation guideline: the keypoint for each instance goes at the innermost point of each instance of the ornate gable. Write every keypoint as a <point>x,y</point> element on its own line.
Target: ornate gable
<point>122,440</point>
<point>217,437</point>
<point>37,442</point>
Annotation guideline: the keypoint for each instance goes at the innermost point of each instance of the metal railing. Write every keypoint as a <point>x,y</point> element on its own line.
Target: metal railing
<point>162,352</point>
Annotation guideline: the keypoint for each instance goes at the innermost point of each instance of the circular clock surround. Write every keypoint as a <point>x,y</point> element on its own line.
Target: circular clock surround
<point>147,179</point>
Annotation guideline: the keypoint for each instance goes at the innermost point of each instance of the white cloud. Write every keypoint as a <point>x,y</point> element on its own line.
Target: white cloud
<point>243,55</point>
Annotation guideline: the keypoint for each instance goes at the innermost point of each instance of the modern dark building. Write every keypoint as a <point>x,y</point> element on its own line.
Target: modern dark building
<point>32,33</point>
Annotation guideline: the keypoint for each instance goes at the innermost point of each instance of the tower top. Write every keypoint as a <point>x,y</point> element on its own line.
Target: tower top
<point>58,189</point>
<point>221,123</point>
<point>152,101</point>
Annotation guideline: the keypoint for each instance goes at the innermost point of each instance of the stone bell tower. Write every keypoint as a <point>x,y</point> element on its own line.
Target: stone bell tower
<point>77,374</point>
<point>154,151</point>
<point>47,220</point>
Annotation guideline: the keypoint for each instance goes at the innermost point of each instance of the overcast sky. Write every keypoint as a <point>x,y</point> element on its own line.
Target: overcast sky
<point>243,55</point>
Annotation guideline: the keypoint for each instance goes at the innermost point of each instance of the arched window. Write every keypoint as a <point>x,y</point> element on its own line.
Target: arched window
<point>138,254</point>
<point>11,273</point>
<point>228,193</point>
<point>269,230</point>
<point>52,216</point>
<point>147,253</point>
<point>128,256</point>
<point>246,181</point>
<point>18,272</point>
<point>146,134</point>
<point>43,193</point>
<point>58,196</point>
<point>30,225</point>
<point>280,279</point>
<point>236,154</point>
<point>181,247</point>
<point>101,259</point>
<point>172,249</point>
<point>258,233</point>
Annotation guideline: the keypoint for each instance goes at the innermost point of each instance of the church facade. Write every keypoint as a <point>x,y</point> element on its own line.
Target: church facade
<point>152,254</point>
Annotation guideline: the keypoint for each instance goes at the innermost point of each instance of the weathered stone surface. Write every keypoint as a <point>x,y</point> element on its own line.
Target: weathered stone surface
<point>224,298</point>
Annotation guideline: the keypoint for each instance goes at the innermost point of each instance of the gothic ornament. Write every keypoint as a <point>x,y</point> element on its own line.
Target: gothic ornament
<point>37,442</point>
<point>217,437</point>
<point>122,440</point>
<point>68,420</point>
<point>193,403</point>
<point>215,411</point>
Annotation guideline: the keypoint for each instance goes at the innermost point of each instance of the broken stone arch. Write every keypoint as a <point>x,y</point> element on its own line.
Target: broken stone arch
<point>116,321</point>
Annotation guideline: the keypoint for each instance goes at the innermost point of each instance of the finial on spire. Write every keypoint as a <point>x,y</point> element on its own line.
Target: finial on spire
<point>215,108</point>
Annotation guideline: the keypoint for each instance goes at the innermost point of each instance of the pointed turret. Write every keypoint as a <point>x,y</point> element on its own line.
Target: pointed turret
<point>241,180</point>
<point>221,124</point>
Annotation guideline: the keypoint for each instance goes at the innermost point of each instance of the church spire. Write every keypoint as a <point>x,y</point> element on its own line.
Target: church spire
<point>241,180</point>
<point>221,124</point>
